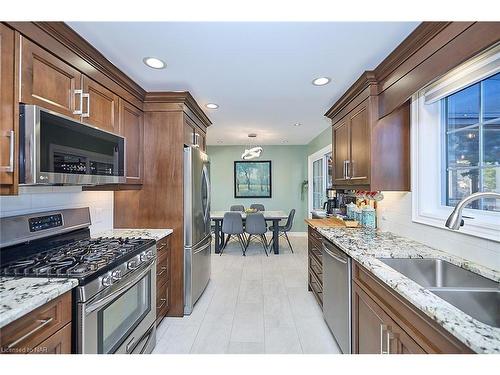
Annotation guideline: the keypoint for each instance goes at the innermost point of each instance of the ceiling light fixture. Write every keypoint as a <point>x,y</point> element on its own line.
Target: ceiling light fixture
<point>297,124</point>
<point>321,81</point>
<point>154,63</point>
<point>212,106</point>
<point>252,152</point>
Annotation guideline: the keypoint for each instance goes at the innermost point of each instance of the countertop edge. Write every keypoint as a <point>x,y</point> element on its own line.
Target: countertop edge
<point>57,287</point>
<point>148,233</point>
<point>486,339</point>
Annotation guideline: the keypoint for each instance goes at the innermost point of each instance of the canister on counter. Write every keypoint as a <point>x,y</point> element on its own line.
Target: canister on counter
<point>350,211</point>
<point>368,217</point>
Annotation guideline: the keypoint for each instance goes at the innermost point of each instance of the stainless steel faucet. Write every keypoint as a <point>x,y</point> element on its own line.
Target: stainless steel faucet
<point>455,219</point>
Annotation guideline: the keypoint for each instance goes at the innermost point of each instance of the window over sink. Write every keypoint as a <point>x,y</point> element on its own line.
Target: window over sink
<point>456,145</point>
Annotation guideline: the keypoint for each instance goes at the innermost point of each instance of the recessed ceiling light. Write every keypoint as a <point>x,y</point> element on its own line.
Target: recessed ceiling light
<point>220,141</point>
<point>321,81</point>
<point>154,63</point>
<point>297,124</point>
<point>212,106</point>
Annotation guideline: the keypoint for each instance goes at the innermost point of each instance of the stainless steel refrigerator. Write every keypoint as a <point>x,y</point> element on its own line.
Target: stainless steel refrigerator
<point>197,236</point>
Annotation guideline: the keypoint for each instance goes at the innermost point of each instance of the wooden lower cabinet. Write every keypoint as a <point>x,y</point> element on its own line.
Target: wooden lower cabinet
<point>46,329</point>
<point>58,343</point>
<point>374,332</point>
<point>384,322</point>
<point>315,265</point>
<point>162,278</point>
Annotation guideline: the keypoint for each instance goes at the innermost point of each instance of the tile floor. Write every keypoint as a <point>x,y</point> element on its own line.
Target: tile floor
<point>252,304</point>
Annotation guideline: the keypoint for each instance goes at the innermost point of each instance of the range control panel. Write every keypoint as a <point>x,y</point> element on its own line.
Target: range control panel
<point>45,222</point>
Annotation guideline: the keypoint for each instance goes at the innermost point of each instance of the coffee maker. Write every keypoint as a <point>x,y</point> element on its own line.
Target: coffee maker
<point>332,202</point>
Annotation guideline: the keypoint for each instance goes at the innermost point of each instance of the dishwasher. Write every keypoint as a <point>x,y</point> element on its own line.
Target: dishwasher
<point>337,294</point>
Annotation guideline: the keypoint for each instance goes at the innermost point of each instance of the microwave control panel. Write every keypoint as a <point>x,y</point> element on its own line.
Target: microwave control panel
<point>45,222</point>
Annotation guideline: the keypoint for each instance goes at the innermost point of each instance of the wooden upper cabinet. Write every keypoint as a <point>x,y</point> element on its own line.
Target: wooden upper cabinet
<point>100,106</point>
<point>358,169</point>
<point>132,128</point>
<point>340,152</point>
<point>48,81</point>
<point>9,125</point>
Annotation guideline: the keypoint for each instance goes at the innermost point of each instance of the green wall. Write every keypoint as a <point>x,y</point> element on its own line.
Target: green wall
<point>289,169</point>
<point>322,140</point>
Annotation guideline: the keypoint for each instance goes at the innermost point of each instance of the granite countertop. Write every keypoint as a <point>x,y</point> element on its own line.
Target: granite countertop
<point>155,234</point>
<point>21,295</point>
<point>365,245</point>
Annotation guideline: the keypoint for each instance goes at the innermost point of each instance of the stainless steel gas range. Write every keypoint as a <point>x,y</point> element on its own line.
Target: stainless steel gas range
<point>114,303</point>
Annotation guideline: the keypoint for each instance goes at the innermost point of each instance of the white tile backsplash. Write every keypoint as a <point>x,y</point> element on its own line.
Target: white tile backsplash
<point>46,198</point>
<point>394,215</point>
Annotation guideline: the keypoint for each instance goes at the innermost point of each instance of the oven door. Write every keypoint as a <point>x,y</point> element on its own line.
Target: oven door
<point>119,320</point>
<point>55,149</point>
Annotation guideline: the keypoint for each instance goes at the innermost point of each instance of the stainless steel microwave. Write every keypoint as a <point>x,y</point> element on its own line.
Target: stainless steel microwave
<point>55,149</point>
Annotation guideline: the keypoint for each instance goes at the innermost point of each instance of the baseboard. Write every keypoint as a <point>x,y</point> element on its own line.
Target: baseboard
<point>297,234</point>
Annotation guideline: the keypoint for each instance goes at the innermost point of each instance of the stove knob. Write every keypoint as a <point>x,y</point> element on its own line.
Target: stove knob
<point>116,275</point>
<point>149,254</point>
<point>133,265</point>
<point>107,280</point>
<point>143,257</point>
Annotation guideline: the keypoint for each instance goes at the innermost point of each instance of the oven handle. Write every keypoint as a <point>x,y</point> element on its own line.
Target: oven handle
<point>105,300</point>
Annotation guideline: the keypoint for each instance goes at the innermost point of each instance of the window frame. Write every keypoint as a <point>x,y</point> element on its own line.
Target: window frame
<point>427,180</point>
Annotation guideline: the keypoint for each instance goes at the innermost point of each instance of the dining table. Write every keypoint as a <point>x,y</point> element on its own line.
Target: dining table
<point>271,216</point>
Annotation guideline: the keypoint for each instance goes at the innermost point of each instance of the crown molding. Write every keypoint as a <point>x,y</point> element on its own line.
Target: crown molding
<point>178,97</point>
<point>366,80</point>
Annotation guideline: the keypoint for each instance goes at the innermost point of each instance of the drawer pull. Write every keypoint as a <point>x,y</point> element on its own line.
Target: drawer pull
<point>163,302</point>
<point>43,322</point>
<point>163,269</point>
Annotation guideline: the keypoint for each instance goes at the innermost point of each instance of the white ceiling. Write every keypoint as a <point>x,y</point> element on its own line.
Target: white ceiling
<point>259,73</point>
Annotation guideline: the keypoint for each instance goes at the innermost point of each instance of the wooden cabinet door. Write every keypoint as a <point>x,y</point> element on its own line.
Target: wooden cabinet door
<point>132,128</point>
<point>100,107</point>
<point>374,332</point>
<point>47,81</point>
<point>340,151</point>
<point>58,343</point>
<point>399,342</point>
<point>369,324</point>
<point>359,134</point>
<point>9,125</point>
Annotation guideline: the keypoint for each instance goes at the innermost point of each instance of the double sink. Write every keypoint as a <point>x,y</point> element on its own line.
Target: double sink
<point>474,294</point>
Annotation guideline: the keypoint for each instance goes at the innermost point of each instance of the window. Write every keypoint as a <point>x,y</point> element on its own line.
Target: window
<point>472,143</point>
<point>320,177</point>
<point>455,138</point>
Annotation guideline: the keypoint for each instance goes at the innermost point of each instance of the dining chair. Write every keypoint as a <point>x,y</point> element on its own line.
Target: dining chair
<point>258,207</point>
<point>283,229</point>
<point>255,225</point>
<point>237,207</point>
<point>232,224</point>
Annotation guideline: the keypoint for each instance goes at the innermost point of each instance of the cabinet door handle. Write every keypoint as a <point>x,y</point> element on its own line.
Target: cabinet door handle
<point>163,269</point>
<point>163,302</point>
<point>347,164</point>
<point>196,140</point>
<point>43,322</point>
<point>78,111</point>
<point>344,172</point>
<point>86,96</point>
<point>10,167</point>
<point>383,329</point>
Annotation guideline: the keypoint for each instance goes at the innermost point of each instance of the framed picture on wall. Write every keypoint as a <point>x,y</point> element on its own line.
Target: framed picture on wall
<point>252,179</point>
